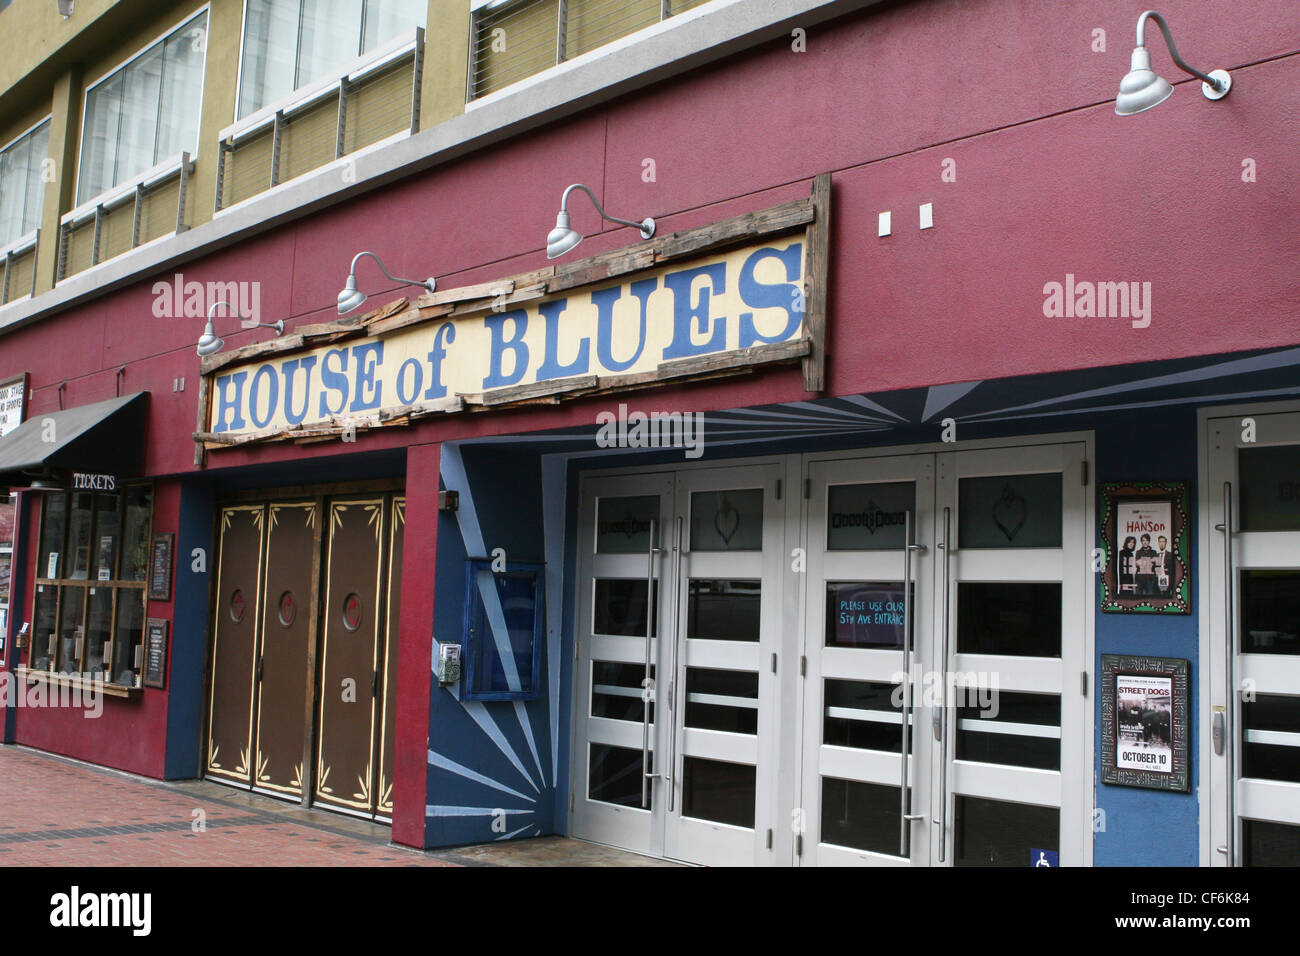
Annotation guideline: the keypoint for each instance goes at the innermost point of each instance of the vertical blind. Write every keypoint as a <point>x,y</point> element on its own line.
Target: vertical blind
<point>290,43</point>
<point>145,112</point>
<point>22,189</point>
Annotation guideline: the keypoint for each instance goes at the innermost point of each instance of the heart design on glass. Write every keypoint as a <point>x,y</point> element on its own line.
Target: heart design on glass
<point>1010,512</point>
<point>726,521</point>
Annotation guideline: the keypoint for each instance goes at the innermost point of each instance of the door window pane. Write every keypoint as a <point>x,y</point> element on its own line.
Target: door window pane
<point>127,635</point>
<point>1270,612</point>
<point>865,614</point>
<point>1010,511</point>
<point>717,791</point>
<point>863,714</point>
<point>106,536</point>
<point>868,517</point>
<point>79,524</point>
<point>617,691</point>
<point>1269,495</point>
<point>1022,620</point>
<point>1023,730</point>
<point>71,630</point>
<point>621,607</point>
<point>43,640</point>
<point>996,833</point>
<point>135,534</point>
<point>623,524</point>
<point>724,610</point>
<point>1270,844</point>
<point>615,775</point>
<point>727,520</point>
<point>860,815</point>
<point>722,700</point>
<point>54,526</point>
<point>99,620</point>
<point>1271,725</point>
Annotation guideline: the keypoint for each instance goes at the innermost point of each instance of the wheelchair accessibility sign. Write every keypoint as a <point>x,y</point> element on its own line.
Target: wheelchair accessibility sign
<point>1044,858</point>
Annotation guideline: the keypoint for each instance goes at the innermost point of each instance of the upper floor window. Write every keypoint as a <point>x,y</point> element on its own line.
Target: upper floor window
<point>145,111</point>
<point>290,43</point>
<point>22,187</point>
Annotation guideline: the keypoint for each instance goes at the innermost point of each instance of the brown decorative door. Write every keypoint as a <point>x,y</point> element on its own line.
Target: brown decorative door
<point>352,617</point>
<point>285,675</point>
<point>234,643</point>
<point>384,790</point>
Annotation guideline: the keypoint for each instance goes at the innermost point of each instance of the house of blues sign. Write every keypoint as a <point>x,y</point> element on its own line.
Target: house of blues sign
<point>744,292</point>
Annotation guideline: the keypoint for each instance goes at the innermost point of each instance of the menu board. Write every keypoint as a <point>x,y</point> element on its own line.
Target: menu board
<point>160,567</point>
<point>155,653</point>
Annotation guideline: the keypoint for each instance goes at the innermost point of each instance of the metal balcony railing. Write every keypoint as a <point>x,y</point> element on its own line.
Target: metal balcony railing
<point>140,210</point>
<point>513,39</point>
<point>375,98</point>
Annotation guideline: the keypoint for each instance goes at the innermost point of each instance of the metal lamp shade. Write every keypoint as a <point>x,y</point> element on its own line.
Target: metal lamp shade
<point>1142,88</point>
<point>350,298</point>
<point>562,238</point>
<point>209,343</point>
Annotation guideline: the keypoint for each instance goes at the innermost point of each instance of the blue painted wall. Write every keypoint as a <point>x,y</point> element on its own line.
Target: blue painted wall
<point>1150,827</point>
<point>489,761</point>
<point>189,637</point>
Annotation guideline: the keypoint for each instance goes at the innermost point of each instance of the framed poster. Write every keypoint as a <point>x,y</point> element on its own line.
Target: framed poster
<point>1145,735</point>
<point>155,653</point>
<point>1146,547</point>
<point>160,567</point>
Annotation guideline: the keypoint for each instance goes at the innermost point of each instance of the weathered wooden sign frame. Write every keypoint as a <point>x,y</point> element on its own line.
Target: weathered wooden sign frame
<point>811,214</point>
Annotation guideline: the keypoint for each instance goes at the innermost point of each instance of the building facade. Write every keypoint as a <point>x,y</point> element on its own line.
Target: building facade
<point>928,372</point>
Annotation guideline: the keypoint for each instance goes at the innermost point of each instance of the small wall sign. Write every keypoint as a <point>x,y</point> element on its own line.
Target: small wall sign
<point>1144,739</point>
<point>85,481</point>
<point>1146,549</point>
<point>160,567</point>
<point>155,653</point>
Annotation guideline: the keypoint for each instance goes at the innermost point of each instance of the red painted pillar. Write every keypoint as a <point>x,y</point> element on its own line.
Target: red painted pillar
<point>415,646</point>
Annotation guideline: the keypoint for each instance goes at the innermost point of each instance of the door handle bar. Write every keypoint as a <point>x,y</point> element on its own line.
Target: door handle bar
<point>940,717</point>
<point>904,796</point>
<point>1229,715</point>
<point>647,697</point>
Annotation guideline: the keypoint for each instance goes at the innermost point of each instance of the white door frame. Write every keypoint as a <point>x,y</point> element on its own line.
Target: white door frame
<point>790,687</point>
<point>1208,539</point>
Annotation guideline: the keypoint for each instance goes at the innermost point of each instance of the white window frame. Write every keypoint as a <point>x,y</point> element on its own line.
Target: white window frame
<point>26,238</point>
<point>108,74</point>
<point>300,93</point>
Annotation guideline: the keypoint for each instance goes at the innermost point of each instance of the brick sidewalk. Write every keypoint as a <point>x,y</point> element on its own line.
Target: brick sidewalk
<point>58,812</point>
<point>55,812</point>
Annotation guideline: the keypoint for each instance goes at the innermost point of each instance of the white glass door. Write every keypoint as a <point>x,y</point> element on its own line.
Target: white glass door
<point>720,773</point>
<point>621,604</point>
<point>677,621</point>
<point>1252,500</point>
<point>863,801</point>
<point>1012,755</point>
<point>994,543</point>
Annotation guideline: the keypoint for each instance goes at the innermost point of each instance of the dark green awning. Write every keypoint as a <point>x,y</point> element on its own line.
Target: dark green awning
<point>104,438</point>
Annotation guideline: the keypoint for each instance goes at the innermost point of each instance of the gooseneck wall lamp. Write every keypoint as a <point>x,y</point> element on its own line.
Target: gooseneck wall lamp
<point>563,238</point>
<point>210,344</point>
<point>1143,88</point>
<point>350,298</point>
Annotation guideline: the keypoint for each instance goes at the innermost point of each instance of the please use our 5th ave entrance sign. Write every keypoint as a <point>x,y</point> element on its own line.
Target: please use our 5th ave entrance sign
<point>716,300</point>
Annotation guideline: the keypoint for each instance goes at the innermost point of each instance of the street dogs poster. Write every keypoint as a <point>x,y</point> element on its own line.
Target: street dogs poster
<point>1144,718</point>
<point>1145,548</point>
